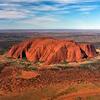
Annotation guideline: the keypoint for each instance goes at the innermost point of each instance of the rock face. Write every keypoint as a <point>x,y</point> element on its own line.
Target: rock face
<point>50,50</point>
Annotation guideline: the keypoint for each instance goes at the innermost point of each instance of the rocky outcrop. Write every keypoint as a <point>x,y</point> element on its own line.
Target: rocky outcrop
<point>50,50</point>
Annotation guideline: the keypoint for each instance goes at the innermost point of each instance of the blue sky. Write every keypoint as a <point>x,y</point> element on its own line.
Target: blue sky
<point>49,14</point>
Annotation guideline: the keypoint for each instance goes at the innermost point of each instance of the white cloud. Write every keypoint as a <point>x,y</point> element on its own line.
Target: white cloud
<point>19,0</point>
<point>45,8</point>
<point>59,1</point>
<point>87,8</point>
<point>51,8</point>
<point>13,11</point>
<point>6,14</point>
<point>41,22</point>
<point>67,1</point>
<point>73,1</point>
<point>16,10</point>
<point>43,19</point>
<point>39,15</point>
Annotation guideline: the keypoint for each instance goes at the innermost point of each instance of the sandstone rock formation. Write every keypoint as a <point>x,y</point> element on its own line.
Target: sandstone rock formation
<point>50,50</point>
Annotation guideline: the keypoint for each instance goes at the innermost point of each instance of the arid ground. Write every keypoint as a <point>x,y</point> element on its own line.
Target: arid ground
<point>22,80</point>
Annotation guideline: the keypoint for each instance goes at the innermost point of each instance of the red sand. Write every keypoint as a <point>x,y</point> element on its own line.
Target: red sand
<point>28,74</point>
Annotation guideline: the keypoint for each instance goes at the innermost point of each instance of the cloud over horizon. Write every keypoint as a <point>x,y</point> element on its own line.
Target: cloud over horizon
<point>48,13</point>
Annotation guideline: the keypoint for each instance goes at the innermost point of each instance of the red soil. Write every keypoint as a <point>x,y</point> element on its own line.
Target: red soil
<point>51,51</point>
<point>15,72</point>
<point>28,74</point>
<point>12,80</point>
<point>82,94</point>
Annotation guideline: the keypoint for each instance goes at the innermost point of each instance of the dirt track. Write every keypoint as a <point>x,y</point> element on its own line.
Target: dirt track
<point>82,94</point>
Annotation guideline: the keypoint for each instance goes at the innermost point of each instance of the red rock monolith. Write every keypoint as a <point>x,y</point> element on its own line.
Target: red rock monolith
<point>51,50</point>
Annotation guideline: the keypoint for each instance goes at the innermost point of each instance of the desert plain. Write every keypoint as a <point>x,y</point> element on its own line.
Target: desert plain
<point>39,66</point>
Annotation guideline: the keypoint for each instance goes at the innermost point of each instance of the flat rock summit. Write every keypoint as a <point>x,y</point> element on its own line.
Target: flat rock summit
<point>48,50</point>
